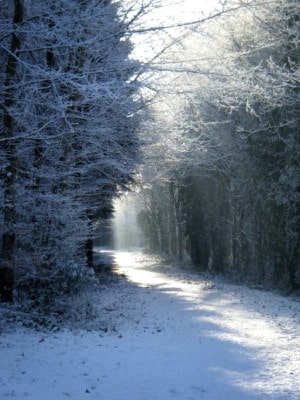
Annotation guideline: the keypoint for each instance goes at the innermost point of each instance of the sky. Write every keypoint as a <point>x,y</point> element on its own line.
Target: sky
<point>171,12</point>
<point>186,10</point>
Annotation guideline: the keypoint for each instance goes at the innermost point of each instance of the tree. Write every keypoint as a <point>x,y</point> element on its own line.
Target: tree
<point>69,137</point>
<point>237,158</point>
<point>9,72</point>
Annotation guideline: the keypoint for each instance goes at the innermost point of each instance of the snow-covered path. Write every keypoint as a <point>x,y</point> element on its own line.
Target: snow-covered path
<point>171,335</point>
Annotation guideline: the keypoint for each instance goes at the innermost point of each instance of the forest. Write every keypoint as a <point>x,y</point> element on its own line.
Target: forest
<point>204,132</point>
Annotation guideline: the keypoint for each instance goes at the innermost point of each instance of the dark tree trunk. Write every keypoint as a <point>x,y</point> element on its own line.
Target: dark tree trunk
<point>6,282</point>
<point>89,252</point>
<point>9,148</point>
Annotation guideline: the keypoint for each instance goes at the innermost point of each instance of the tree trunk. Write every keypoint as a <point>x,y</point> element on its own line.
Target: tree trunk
<point>89,252</point>
<point>9,148</point>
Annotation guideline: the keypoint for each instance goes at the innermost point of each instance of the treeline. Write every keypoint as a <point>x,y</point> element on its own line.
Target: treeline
<point>68,139</point>
<point>224,191</point>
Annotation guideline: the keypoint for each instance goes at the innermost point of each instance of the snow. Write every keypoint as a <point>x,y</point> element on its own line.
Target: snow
<point>171,334</point>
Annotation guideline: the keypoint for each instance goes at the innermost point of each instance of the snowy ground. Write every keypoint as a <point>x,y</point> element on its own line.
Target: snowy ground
<point>170,335</point>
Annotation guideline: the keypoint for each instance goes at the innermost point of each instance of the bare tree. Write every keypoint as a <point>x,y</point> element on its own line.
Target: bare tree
<point>236,152</point>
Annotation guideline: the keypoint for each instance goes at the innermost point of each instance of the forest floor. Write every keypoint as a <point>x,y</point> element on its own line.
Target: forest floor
<point>157,332</point>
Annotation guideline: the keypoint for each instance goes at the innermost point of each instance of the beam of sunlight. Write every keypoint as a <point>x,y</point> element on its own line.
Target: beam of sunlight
<point>126,233</point>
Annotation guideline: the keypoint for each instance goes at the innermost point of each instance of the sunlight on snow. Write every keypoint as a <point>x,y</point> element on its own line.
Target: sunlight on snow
<point>232,323</point>
<point>136,275</point>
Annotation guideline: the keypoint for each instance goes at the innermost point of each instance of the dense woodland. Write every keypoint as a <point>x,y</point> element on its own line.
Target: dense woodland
<point>220,181</point>
<point>224,186</point>
<point>68,138</point>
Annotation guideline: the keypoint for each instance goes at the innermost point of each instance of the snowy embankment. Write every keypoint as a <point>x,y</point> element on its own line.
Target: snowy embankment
<point>170,335</point>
